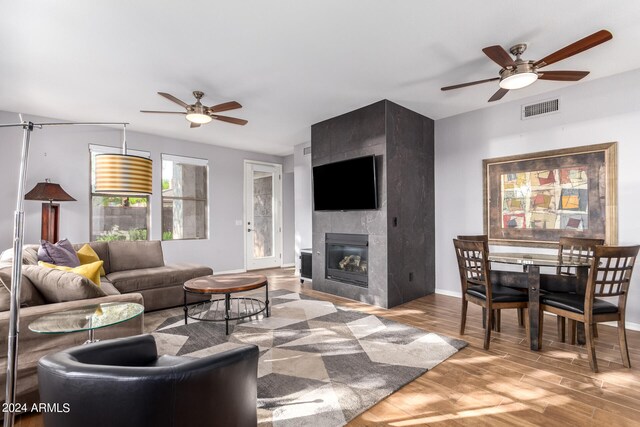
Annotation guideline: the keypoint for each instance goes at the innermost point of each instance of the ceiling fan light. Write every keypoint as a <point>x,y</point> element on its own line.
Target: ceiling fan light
<point>198,118</point>
<point>518,81</point>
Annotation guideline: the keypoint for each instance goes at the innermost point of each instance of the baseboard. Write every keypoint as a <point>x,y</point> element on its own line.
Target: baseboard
<point>449,293</point>
<point>632,326</point>
<point>240,270</point>
<point>288,265</point>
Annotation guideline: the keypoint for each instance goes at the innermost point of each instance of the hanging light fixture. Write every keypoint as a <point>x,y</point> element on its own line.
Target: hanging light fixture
<point>123,173</point>
<point>523,76</point>
<point>198,116</point>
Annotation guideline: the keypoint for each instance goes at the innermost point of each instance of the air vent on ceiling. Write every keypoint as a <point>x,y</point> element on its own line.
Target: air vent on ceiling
<point>550,106</point>
<point>306,151</point>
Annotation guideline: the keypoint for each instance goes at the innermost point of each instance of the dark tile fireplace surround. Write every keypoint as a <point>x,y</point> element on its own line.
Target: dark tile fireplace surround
<point>399,251</point>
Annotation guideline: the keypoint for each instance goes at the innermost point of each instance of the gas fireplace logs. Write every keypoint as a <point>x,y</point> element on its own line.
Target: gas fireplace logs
<point>353,263</point>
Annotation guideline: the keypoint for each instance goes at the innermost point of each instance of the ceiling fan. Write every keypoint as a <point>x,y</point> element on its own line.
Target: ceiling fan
<point>199,114</point>
<point>519,73</point>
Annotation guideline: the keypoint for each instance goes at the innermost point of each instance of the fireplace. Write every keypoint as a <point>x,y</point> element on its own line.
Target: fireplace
<point>347,258</point>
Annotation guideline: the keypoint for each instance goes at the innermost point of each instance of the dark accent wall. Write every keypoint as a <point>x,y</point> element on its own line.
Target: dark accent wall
<point>401,230</point>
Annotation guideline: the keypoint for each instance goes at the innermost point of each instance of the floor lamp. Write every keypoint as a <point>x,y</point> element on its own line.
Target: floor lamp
<point>18,241</point>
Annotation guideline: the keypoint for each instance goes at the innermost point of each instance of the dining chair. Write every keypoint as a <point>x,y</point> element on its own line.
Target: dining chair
<point>497,317</point>
<point>609,276</point>
<point>476,286</point>
<point>574,249</point>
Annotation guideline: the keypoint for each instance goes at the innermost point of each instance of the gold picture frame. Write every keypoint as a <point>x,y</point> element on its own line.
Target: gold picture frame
<point>534,199</point>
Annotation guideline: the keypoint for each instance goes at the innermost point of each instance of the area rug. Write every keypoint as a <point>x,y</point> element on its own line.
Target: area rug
<point>320,364</point>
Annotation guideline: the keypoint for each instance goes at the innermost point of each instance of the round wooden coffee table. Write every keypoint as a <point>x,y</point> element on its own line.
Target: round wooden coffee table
<point>226,285</point>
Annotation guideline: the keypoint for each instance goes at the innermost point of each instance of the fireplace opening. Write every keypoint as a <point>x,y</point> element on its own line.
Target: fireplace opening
<point>347,258</point>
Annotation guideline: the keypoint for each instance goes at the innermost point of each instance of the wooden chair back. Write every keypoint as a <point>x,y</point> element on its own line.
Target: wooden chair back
<point>473,264</point>
<point>611,269</point>
<point>575,249</point>
<point>475,238</point>
<point>478,238</point>
<point>610,274</point>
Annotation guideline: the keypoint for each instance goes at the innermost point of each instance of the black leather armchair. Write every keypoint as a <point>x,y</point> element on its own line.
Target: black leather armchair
<point>123,382</point>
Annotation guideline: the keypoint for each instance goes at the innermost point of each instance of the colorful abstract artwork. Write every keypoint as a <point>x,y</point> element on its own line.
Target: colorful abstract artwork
<point>546,199</point>
<point>534,199</point>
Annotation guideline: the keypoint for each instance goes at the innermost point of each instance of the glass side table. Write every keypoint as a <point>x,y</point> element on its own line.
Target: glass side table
<point>88,318</point>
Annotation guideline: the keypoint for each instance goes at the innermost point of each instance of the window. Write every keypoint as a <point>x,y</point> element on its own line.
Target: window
<point>117,216</point>
<point>184,197</point>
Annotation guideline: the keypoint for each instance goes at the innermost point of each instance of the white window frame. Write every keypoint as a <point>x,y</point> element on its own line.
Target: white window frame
<point>197,161</point>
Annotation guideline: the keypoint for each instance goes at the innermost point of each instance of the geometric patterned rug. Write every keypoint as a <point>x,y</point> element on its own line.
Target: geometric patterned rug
<point>320,364</point>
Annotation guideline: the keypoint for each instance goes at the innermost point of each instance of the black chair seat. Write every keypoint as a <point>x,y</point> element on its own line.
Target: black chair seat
<point>575,303</point>
<point>498,293</point>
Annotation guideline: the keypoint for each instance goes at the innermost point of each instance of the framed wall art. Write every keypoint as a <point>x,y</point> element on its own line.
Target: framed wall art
<point>534,199</point>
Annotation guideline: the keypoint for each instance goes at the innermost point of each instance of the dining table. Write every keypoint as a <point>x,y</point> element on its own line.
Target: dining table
<point>534,282</point>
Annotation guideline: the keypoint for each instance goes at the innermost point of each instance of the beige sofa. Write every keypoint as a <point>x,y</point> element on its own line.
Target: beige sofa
<point>139,267</point>
<point>135,272</point>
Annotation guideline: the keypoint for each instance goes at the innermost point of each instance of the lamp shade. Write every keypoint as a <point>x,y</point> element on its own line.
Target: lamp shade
<point>119,173</point>
<point>518,81</point>
<point>198,118</point>
<point>50,192</point>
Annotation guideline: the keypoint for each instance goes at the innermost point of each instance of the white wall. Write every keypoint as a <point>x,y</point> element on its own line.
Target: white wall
<point>599,111</point>
<point>288,212</point>
<point>302,199</point>
<point>62,154</point>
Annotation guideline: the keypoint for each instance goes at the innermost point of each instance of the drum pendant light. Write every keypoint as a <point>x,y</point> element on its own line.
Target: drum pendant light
<point>123,173</point>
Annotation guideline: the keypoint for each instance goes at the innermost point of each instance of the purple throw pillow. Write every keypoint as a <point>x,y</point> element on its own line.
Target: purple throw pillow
<point>62,253</point>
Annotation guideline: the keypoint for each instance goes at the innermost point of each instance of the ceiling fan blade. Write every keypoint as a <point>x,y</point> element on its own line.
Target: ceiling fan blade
<point>470,83</point>
<point>500,56</point>
<point>232,105</point>
<point>233,120</point>
<point>574,48</point>
<point>564,76</point>
<point>194,125</point>
<point>498,95</point>
<point>174,99</point>
<point>163,112</point>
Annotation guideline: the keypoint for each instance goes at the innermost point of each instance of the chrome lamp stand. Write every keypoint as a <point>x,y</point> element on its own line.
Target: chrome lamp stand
<point>16,270</point>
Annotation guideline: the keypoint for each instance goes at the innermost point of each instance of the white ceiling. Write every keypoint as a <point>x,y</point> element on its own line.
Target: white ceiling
<point>289,63</point>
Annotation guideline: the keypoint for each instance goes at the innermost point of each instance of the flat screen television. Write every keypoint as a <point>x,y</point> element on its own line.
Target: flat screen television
<point>347,185</point>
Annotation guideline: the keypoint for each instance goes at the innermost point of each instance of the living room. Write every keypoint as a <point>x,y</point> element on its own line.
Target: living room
<point>296,68</point>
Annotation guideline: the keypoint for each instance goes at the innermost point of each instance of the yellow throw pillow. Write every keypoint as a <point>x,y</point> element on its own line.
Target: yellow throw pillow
<point>90,271</point>
<point>87,255</point>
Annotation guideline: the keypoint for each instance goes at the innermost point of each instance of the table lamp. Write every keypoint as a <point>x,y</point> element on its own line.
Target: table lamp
<point>49,192</point>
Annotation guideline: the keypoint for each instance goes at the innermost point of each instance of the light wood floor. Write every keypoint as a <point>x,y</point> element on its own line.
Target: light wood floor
<point>506,385</point>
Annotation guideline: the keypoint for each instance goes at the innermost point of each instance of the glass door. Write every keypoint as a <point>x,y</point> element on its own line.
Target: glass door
<point>263,215</point>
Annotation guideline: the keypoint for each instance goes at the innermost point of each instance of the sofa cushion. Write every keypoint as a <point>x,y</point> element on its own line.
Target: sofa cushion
<point>61,253</point>
<point>87,255</point>
<point>29,295</point>
<point>91,271</point>
<point>61,286</point>
<point>158,277</point>
<point>101,249</point>
<point>108,287</point>
<point>29,255</point>
<point>127,255</point>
